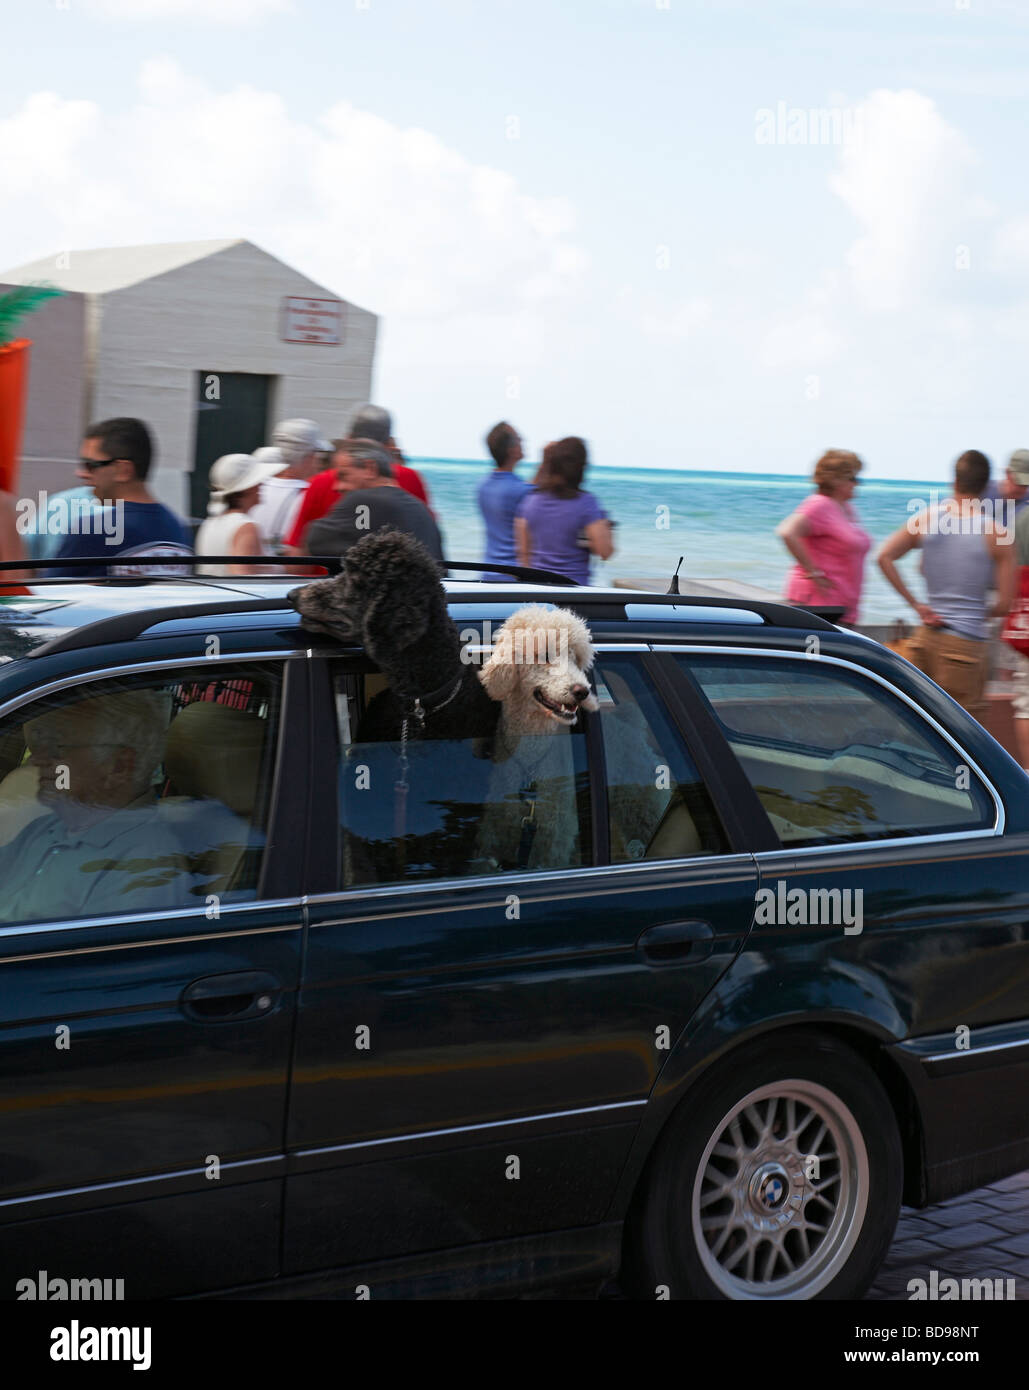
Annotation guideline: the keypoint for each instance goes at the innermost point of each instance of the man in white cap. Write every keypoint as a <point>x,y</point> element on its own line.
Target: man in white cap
<point>230,528</point>
<point>297,446</point>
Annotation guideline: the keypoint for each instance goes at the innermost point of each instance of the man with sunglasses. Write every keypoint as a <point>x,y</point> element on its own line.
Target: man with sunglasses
<point>115,459</point>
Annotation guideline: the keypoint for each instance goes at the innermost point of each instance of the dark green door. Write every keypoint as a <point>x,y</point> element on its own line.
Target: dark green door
<point>232,418</point>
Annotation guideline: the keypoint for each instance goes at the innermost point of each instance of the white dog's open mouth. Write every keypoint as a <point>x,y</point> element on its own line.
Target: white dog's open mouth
<point>566,713</point>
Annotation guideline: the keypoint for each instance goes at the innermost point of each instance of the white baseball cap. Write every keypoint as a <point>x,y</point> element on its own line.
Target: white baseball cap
<point>238,472</point>
<point>298,437</point>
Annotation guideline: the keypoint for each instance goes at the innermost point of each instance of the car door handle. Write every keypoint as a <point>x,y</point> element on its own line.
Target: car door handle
<point>225,998</point>
<point>677,942</point>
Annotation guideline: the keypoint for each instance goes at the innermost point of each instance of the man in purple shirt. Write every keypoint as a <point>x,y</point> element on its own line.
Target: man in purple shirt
<point>499,496</point>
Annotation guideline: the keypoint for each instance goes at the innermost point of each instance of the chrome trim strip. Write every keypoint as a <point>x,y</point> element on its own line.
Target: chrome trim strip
<point>393,890</point>
<point>484,648</point>
<point>160,915</point>
<point>894,843</point>
<point>134,1182</point>
<point>146,942</point>
<point>465,1129</point>
<point>774,652</point>
<point>110,672</point>
<point>962,1052</point>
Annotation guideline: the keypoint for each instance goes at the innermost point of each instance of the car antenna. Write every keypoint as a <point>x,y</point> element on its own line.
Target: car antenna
<point>673,588</point>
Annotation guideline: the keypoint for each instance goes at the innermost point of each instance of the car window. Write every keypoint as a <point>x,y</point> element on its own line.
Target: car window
<point>835,757</point>
<point>658,807</point>
<point>453,808</point>
<point>136,795</point>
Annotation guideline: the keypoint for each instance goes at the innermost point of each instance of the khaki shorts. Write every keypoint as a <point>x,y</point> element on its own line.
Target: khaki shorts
<point>1019,684</point>
<point>958,664</point>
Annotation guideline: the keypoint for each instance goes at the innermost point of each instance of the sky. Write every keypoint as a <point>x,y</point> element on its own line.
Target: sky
<point>700,235</point>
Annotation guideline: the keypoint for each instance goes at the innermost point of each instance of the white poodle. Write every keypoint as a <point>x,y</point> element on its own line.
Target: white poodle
<point>539,671</point>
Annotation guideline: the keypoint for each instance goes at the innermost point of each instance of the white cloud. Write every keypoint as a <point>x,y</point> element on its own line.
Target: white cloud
<point>903,179</point>
<point>1011,246</point>
<point>209,11</point>
<point>390,217</point>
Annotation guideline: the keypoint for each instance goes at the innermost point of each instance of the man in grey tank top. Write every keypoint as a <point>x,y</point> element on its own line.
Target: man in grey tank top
<point>966,552</point>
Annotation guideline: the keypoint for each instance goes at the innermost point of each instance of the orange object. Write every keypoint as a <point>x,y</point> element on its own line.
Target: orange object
<point>14,375</point>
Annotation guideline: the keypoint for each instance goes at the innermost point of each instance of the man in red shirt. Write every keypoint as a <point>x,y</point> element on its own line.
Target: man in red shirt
<point>325,488</point>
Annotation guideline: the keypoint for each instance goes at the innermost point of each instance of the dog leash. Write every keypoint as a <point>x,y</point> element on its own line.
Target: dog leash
<point>419,712</point>
<point>527,793</point>
<point>529,826</point>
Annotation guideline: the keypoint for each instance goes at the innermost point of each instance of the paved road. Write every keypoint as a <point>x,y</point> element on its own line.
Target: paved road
<point>981,1235</point>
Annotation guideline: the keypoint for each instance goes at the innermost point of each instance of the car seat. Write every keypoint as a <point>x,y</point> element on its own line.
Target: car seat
<point>214,755</point>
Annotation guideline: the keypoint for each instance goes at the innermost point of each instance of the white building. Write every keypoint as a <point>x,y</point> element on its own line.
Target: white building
<point>209,342</point>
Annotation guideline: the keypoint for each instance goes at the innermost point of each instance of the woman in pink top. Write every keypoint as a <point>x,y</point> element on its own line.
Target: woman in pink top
<point>824,538</point>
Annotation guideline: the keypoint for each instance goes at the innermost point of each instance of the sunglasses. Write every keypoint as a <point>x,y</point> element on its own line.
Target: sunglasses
<point>91,465</point>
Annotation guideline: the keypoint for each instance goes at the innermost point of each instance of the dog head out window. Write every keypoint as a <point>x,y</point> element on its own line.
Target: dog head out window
<point>431,808</point>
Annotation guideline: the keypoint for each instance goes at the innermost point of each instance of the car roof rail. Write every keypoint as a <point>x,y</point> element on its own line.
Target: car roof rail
<point>332,563</point>
<point>771,613</point>
<point>122,627</point>
<point>526,572</point>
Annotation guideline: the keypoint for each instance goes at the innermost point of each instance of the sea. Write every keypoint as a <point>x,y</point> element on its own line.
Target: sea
<point>723,524</point>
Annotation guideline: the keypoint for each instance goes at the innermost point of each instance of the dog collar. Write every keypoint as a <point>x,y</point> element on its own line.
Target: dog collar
<point>419,706</point>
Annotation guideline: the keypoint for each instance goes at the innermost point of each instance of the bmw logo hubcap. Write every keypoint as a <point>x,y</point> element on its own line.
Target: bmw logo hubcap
<point>769,1188</point>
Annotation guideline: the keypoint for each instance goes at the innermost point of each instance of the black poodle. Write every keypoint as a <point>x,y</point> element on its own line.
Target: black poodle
<point>389,599</point>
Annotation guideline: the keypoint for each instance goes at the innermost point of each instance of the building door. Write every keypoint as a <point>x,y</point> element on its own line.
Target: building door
<point>232,418</point>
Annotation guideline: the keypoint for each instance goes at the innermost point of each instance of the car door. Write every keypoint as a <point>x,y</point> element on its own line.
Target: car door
<point>480,1025</point>
<point>893,886</point>
<point>151,851</point>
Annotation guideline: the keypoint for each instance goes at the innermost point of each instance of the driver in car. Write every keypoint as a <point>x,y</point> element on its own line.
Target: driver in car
<point>100,846</point>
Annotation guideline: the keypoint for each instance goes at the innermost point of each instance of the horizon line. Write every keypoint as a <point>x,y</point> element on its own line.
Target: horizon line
<point>713,472</point>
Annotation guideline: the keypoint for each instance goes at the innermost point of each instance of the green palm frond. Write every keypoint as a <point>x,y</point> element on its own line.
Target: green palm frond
<point>16,303</point>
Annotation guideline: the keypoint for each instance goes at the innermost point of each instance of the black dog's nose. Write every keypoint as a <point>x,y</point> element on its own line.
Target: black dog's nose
<point>580,692</point>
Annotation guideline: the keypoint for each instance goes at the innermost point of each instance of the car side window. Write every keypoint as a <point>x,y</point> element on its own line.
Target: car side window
<point>137,794</point>
<point>835,757</point>
<point>442,808</point>
<point>658,807</point>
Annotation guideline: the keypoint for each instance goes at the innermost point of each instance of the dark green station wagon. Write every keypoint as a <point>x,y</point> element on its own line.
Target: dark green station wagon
<point>708,1054</point>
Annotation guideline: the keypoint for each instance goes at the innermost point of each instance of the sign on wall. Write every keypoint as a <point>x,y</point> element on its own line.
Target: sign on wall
<point>312,320</point>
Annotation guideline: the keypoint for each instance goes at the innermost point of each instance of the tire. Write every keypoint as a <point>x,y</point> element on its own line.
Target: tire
<point>731,1197</point>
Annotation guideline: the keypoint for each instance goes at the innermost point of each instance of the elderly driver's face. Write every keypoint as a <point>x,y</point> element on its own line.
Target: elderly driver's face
<point>78,762</point>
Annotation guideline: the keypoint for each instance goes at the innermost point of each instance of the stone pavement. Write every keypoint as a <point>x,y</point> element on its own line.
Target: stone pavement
<point>980,1235</point>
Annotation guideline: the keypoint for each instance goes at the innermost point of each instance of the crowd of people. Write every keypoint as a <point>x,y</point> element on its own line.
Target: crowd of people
<point>301,495</point>
<point>975,553</point>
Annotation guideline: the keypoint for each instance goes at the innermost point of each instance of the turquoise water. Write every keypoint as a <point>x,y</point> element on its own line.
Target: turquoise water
<point>724,523</point>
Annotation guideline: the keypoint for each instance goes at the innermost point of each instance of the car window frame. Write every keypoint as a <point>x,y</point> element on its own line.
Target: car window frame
<point>690,728</point>
<point>358,663</point>
<point>863,672</point>
<point>684,726</point>
<point>281,878</point>
<point>738,806</point>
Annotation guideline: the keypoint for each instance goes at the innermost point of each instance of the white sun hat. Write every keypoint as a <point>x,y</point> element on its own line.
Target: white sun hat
<point>238,472</point>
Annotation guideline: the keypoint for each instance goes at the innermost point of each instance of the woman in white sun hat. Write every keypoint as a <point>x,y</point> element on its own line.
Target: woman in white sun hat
<point>235,489</point>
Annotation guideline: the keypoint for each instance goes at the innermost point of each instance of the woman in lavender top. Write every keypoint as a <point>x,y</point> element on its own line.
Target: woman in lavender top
<point>551,518</point>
